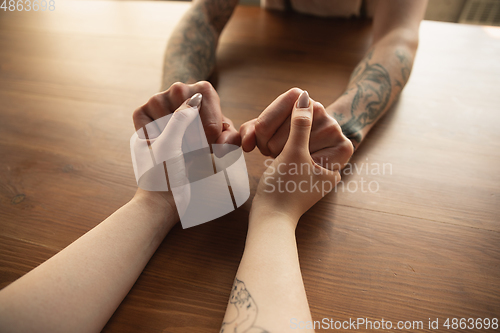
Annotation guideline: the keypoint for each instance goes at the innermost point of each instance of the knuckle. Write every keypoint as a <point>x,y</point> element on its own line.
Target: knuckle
<point>294,91</point>
<point>137,116</point>
<point>212,130</point>
<point>177,88</point>
<point>274,147</point>
<point>261,128</point>
<point>204,87</point>
<point>302,121</point>
<point>332,129</point>
<point>177,92</point>
<point>264,151</point>
<point>156,101</point>
<point>246,127</point>
<point>319,109</point>
<point>235,139</point>
<point>346,149</point>
<point>337,176</point>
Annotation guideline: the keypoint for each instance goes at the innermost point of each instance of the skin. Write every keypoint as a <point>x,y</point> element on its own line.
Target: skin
<point>190,53</point>
<point>270,267</point>
<point>270,131</point>
<point>375,84</point>
<point>379,78</point>
<point>190,59</point>
<point>211,116</point>
<point>100,267</point>
<point>54,297</point>
<point>79,288</point>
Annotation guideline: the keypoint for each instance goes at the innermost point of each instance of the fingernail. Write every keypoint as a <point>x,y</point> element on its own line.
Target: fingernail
<point>195,101</point>
<point>225,126</point>
<point>303,100</point>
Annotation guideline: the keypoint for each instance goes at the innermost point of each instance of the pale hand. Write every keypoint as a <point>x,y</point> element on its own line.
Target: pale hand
<point>288,187</point>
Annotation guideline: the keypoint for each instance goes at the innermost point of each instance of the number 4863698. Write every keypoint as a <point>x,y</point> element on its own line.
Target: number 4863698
<point>28,5</point>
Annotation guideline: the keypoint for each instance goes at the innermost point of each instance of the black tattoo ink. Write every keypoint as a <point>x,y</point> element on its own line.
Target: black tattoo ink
<point>190,54</point>
<point>406,69</point>
<point>219,12</point>
<point>247,311</point>
<point>373,91</point>
<point>369,55</point>
<point>358,68</point>
<point>338,116</point>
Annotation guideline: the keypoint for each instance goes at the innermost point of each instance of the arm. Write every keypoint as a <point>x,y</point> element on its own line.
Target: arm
<point>268,293</point>
<point>379,78</point>
<point>189,58</point>
<point>374,86</point>
<point>78,289</point>
<point>190,53</point>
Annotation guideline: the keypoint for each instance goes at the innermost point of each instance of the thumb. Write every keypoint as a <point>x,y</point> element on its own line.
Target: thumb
<point>170,140</point>
<point>301,123</point>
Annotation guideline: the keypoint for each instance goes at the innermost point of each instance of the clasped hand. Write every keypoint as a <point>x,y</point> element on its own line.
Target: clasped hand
<point>306,142</point>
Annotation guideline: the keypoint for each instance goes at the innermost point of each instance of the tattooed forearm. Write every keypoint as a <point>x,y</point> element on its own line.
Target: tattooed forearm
<point>219,12</point>
<point>371,87</point>
<point>246,310</point>
<point>190,53</point>
<point>405,68</point>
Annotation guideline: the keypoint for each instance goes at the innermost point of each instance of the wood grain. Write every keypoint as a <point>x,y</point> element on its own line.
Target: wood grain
<point>425,245</point>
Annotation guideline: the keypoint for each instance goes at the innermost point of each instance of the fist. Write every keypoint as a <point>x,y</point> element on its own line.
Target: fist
<point>270,131</point>
<point>293,182</point>
<point>218,128</point>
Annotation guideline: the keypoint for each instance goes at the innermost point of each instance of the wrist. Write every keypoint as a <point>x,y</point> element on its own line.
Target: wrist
<point>341,111</point>
<point>158,204</point>
<point>270,228</point>
<point>268,213</point>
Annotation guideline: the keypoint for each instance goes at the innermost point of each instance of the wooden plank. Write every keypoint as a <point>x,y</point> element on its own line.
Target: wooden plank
<point>439,142</point>
<point>424,245</point>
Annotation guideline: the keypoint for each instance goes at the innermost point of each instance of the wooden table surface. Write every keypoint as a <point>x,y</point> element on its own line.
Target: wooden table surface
<point>424,243</point>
